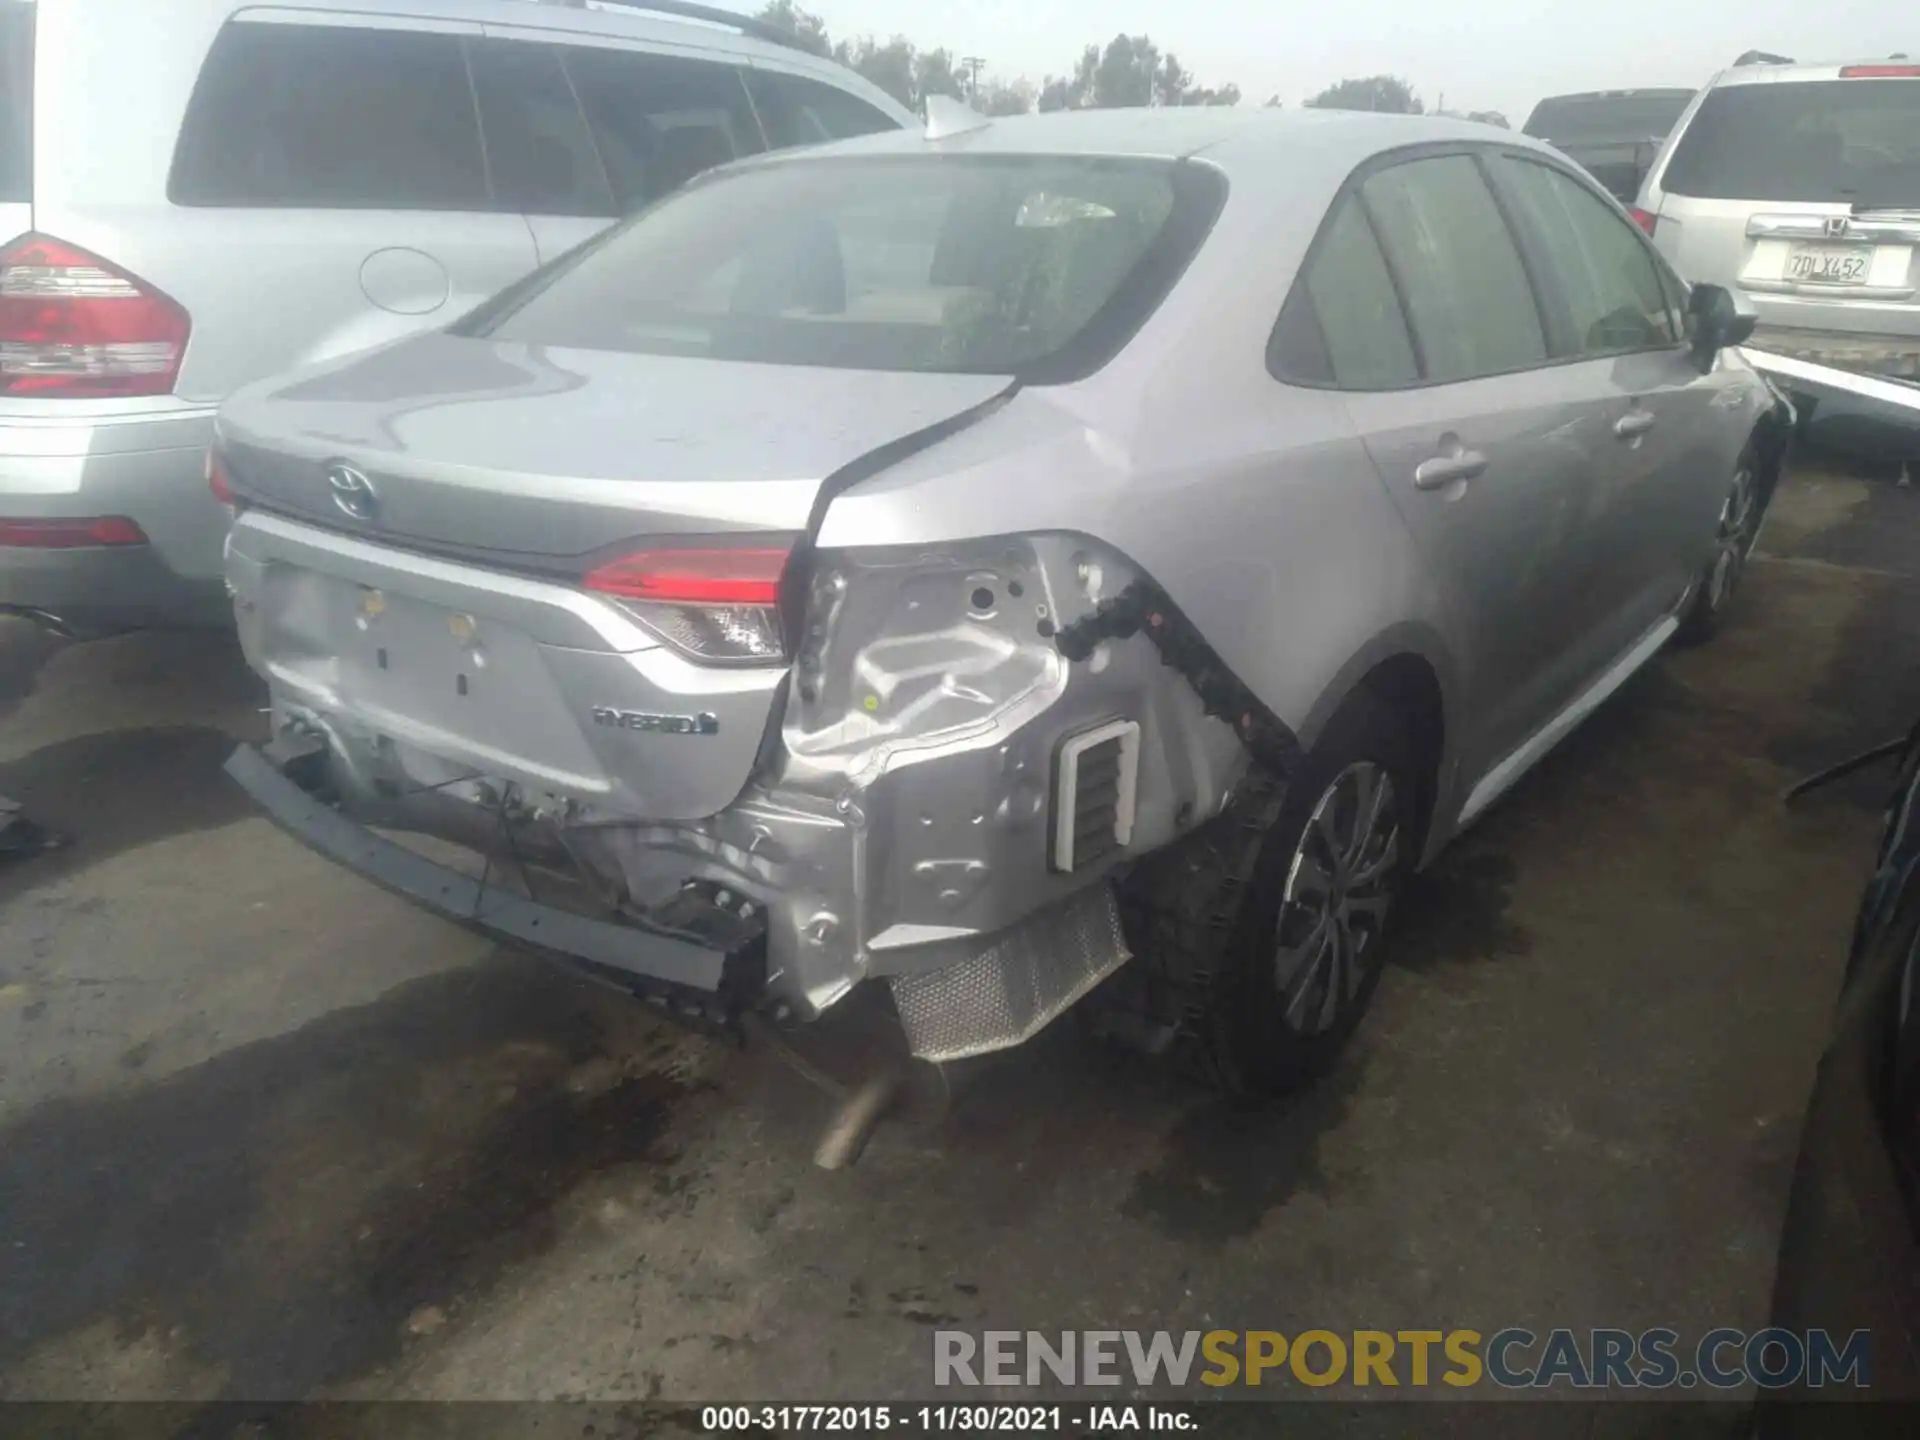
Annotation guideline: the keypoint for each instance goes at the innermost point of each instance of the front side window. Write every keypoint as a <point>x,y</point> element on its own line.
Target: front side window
<point>1343,323</point>
<point>1851,142</point>
<point>994,265</point>
<point>1599,269</point>
<point>1466,290</point>
<point>328,116</point>
<point>797,111</point>
<point>659,120</point>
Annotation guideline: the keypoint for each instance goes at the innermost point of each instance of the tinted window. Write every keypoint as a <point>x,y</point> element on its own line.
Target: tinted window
<point>658,120</point>
<point>1343,316</point>
<point>1572,119</point>
<point>1597,266</point>
<point>328,116</point>
<point>1465,288</point>
<point>798,111</point>
<point>1846,141</point>
<point>955,263</point>
<point>16,101</point>
<point>538,149</point>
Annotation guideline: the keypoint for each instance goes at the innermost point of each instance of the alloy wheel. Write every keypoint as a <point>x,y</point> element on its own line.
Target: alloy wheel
<point>1733,539</point>
<point>1338,892</point>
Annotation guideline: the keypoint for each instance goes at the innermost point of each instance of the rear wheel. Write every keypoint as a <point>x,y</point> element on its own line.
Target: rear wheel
<point>1268,932</point>
<point>1734,533</point>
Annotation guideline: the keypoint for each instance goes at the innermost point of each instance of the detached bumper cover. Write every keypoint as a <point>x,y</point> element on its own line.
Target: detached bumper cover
<point>662,965</point>
<point>1864,382</point>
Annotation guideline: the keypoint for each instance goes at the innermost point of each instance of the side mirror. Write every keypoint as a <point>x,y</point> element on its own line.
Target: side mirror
<point>1715,320</point>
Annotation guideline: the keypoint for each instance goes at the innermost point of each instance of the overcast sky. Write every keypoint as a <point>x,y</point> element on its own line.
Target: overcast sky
<point>1482,54</point>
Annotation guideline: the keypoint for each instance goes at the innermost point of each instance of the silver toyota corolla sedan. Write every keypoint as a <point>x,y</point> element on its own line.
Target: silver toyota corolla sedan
<point>1102,550</point>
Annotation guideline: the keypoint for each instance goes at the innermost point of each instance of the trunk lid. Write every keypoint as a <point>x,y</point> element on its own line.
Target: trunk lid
<point>535,457</point>
<point>447,632</point>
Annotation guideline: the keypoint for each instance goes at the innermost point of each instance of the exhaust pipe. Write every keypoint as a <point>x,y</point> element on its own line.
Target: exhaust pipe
<point>46,621</point>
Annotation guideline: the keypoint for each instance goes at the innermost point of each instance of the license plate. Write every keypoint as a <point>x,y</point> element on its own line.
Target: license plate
<point>1829,264</point>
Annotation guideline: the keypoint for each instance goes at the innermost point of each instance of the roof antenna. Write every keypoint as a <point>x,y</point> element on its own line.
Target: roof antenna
<point>948,116</point>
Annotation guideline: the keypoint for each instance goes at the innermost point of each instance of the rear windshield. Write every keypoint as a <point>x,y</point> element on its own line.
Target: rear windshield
<point>1846,141</point>
<point>993,265</point>
<point>16,100</point>
<point>1604,118</point>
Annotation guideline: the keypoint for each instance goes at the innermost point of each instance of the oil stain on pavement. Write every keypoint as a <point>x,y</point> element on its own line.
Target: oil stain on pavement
<point>1593,1037</point>
<point>290,1208</point>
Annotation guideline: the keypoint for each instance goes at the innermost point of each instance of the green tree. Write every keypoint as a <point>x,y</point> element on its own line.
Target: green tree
<point>1125,75</point>
<point>890,66</point>
<point>1000,97</point>
<point>933,74</point>
<point>1228,94</point>
<point>809,29</point>
<point>1172,82</point>
<point>1056,93</point>
<point>1387,93</point>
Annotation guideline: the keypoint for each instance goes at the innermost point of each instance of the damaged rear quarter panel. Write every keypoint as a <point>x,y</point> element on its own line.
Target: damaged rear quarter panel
<point>1260,516</point>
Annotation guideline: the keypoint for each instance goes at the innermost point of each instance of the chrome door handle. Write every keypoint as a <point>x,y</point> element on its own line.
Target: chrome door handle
<point>1443,470</point>
<point>1633,425</point>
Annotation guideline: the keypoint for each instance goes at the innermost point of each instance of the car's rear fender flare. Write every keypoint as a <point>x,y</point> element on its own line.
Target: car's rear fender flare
<point>1409,665</point>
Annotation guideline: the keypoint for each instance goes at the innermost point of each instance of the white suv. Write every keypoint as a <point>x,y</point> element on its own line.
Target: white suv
<point>197,194</point>
<point>1799,186</point>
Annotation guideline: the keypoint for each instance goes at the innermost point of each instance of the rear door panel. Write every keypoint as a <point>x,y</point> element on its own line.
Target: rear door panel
<point>1504,545</point>
<point>1491,458</point>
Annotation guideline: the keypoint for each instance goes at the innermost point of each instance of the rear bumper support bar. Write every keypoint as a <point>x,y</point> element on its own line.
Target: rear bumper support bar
<point>679,972</point>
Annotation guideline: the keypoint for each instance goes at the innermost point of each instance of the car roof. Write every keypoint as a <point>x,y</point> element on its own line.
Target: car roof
<point>1665,92</point>
<point>1268,141</point>
<point>634,21</point>
<point>1765,73</point>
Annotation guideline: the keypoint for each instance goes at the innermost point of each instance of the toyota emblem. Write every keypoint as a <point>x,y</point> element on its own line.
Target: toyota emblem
<point>352,491</point>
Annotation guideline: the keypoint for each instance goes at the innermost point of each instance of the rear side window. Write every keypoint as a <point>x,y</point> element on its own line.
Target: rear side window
<point>16,101</point>
<point>1460,273</point>
<point>659,120</point>
<point>331,117</point>
<point>798,111</point>
<point>542,159</point>
<point>1343,323</point>
<point>1839,141</point>
<point>1600,270</point>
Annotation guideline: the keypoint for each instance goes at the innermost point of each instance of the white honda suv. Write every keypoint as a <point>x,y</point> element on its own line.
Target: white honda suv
<point>1799,186</point>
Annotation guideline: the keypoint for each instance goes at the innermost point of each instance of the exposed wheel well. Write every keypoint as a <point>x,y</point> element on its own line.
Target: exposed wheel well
<point>1769,442</point>
<point>1407,684</point>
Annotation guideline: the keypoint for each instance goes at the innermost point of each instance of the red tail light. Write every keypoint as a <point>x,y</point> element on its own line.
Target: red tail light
<point>65,534</point>
<point>698,577</point>
<point>73,325</point>
<point>714,602</point>
<point>217,479</point>
<point>1645,219</point>
<point>1879,72</point>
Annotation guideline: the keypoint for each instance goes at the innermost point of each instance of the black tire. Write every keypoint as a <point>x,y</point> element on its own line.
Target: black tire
<point>1718,585</point>
<point>1207,919</point>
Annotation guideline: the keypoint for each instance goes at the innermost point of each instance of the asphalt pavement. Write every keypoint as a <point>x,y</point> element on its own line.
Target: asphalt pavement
<point>265,1132</point>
